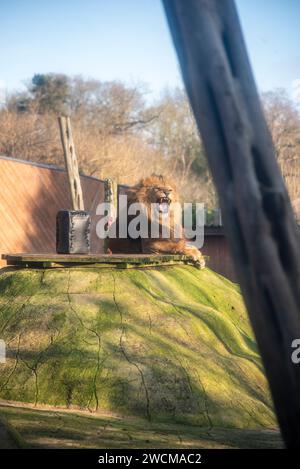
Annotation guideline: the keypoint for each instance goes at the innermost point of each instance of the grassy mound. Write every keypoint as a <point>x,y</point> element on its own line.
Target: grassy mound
<point>170,344</point>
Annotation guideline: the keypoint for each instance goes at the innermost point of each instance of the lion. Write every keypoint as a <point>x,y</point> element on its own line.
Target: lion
<point>157,193</point>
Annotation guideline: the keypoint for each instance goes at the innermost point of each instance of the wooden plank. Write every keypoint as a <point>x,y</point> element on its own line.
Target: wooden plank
<point>257,214</point>
<point>125,260</point>
<point>71,162</point>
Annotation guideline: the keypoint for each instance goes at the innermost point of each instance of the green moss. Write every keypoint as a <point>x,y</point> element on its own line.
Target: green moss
<point>168,344</point>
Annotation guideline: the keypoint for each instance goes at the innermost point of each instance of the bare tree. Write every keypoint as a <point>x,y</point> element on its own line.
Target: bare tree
<point>284,122</point>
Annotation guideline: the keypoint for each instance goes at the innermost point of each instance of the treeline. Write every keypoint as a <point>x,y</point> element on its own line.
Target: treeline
<point>120,134</point>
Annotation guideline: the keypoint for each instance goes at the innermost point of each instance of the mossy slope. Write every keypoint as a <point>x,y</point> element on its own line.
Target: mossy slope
<point>167,344</point>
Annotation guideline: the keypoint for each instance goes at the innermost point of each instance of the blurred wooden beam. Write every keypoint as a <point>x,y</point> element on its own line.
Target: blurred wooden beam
<point>258,219</point>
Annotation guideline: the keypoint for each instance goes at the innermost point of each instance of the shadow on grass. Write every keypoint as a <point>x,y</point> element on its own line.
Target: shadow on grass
<point>56,429</point>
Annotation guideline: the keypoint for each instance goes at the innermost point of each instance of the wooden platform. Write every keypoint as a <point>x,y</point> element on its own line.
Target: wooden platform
<point>101,260</point>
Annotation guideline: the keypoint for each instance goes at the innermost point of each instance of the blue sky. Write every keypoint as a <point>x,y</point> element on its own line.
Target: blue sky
<point>129,40</point>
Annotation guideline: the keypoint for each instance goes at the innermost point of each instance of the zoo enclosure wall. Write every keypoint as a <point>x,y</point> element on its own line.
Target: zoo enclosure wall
<point>31,195</point>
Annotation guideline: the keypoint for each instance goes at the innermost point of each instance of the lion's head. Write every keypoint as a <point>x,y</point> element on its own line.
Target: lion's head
<point>155,189</point>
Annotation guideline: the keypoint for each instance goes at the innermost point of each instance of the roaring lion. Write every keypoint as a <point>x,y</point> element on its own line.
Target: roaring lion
<point>157,193</point>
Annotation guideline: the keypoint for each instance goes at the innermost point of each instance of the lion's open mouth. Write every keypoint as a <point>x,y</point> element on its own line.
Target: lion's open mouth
<point>163,204</point>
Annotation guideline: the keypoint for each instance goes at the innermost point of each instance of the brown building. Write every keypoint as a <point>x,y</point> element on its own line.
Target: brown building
<point>216,248</point>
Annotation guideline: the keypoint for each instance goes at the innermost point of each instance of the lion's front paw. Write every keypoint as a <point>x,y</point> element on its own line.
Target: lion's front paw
<point>200,262</point>
<point>196,256</point>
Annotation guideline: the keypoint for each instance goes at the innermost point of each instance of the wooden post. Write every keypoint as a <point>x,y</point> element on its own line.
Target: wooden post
<point>110,197</point>
<point>71,162</point>
<point>258,219</point>
<point>217,217</point>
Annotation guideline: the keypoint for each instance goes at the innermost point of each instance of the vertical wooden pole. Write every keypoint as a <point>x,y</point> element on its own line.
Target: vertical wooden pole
<point>110,197</point>
<point>258,219</point>
<point>71,162</point>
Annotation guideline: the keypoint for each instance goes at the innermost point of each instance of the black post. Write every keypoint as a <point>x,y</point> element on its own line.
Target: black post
<point>258,219</point>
